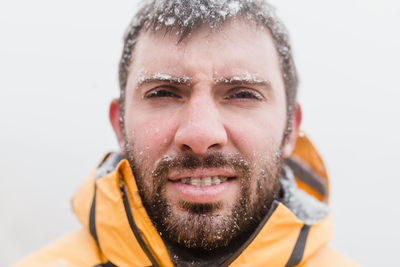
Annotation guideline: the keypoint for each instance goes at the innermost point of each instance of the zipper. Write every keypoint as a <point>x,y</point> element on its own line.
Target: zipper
<point>132,223</point>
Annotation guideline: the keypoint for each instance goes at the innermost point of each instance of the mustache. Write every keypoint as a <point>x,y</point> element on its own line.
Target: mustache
<point>187,160</point>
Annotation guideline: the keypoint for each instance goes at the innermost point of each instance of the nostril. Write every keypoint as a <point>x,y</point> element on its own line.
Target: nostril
<point>188,148</point>
<point>185,147</point>
<point>199,137</point>
<point>214,146</point>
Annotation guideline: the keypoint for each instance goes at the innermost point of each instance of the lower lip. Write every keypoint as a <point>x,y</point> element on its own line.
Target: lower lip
<point>206,194</point>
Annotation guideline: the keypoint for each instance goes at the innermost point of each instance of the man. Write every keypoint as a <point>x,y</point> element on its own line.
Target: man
<point>211,171</point>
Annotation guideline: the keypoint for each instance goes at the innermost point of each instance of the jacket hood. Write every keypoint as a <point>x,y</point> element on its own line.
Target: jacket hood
<point>109,207</point>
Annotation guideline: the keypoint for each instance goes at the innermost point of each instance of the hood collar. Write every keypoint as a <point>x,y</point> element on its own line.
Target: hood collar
<point>109,206</point>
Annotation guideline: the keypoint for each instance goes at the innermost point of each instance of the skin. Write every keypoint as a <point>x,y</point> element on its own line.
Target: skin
<point>197,113</point>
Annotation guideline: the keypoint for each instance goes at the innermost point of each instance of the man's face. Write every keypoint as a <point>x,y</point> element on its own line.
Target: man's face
<point>203,130</point>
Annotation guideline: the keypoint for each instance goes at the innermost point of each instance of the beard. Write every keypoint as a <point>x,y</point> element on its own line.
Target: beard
<point>207,226</point>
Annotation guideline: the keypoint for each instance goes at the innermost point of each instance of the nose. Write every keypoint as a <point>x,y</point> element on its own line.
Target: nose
<point>201,128</point>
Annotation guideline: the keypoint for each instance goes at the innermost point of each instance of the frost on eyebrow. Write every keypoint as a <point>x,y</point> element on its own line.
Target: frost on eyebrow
<point>246,78</point>
<point>160,77</point>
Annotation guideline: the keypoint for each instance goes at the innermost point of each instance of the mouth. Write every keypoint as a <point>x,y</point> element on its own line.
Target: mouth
<point>202,186</point>
<point>205,181</point>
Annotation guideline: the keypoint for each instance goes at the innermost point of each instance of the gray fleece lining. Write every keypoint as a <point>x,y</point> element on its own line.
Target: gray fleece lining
<point>109,165</point>
<point>304,206</point>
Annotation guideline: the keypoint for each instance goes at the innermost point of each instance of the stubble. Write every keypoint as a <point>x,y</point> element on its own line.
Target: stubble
<point>214,225</point>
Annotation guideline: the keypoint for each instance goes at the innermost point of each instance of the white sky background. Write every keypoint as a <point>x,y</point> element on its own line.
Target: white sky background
<point>58,72</point>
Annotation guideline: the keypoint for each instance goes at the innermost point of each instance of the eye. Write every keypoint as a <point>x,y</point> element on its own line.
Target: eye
<point>244,93</point>
<point>161,92</point>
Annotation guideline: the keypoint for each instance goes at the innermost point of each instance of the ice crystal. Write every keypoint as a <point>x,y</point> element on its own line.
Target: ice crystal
<point>169,21</point>
<point>164,77</point>
<point>245,78</point>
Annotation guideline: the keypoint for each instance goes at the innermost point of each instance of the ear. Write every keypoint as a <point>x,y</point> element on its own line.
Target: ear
<point>291,142</point>
<point>114,115</point>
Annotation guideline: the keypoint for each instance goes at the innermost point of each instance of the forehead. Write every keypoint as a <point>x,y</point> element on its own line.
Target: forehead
<point>236,47</point>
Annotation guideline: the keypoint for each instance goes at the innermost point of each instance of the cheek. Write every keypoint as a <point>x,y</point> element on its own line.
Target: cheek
<point>150,137</point>
<point>257,135</point>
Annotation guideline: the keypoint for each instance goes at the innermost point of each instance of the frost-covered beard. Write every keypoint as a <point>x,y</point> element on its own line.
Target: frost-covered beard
<point>210,225</point>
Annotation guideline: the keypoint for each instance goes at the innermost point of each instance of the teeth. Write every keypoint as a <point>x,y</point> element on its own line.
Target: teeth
<point>195,182</point>
<point>216,180</point>
<point>205,181</point>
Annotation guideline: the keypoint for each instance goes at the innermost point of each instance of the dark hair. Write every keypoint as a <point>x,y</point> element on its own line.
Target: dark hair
<point>184,16</point>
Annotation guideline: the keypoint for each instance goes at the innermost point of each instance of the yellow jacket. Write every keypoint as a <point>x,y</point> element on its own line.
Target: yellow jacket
<point>118,232</point>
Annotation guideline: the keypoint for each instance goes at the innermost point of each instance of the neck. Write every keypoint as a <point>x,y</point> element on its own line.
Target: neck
<point>183,256</point>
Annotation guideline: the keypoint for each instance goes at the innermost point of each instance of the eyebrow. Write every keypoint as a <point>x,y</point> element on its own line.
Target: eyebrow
<point>164,78</point>
<point>247,78</point>
<point>240,80</point>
